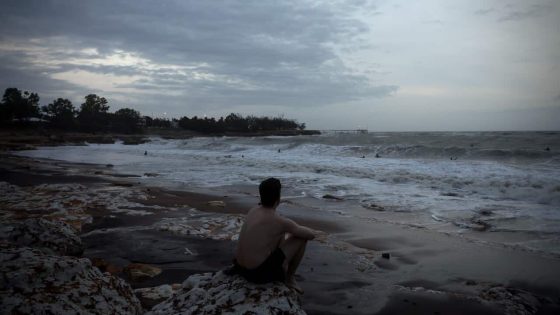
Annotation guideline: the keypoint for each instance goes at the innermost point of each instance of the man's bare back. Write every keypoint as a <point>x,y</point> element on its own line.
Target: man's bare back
<point>270,247</point>
<point>262,233</point>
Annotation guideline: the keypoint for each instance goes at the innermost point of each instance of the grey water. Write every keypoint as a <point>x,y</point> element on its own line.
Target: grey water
<point>465,182</point>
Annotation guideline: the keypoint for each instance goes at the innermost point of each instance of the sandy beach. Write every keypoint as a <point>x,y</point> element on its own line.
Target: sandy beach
<point>360,268</point>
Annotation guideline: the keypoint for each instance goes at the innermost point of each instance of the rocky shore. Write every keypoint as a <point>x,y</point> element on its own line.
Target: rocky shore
<point>84,239</point>
<point>44,268</point>
<point>16,140</point>
<point>43,273</point>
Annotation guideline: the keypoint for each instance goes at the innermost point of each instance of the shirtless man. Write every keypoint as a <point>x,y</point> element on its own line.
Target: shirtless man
<point>270,247</point>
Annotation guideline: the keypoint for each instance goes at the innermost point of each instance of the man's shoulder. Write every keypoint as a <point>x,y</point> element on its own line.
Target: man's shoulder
<point>280,220</point>
<point>266,214</point>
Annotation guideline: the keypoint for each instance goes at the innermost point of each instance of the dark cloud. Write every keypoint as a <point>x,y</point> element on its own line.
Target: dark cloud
<point>214,53</point>
<point>18,74</point>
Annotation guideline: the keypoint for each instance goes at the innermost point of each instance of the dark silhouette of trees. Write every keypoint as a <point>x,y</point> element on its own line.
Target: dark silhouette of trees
<point>126,120</point>
<point>148,121</point>
<point>205,124</point>
<point>18,106</point>
<point>237,123</point>
<point>60,114</point>
<point>157,122</point>
<point>93,115</point>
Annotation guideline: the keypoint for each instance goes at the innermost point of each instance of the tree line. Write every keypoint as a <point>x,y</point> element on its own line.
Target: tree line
<point>22,108</point>
<point>238,123</point>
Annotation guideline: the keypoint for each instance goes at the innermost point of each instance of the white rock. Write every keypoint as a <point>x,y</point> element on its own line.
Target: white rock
<point>154,295</point>
<point>214,226</point>
<point>514,301</point>
<point>36,283</point>
<point>218,293</point>
<point>52,237</point>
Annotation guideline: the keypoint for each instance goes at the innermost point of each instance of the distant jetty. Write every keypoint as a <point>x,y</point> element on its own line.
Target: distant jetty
<point>361,131</point>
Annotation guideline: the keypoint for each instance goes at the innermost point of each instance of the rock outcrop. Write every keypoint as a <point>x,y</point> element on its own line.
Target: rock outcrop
<point>37,283</point>
<point>106,266</point>
<point>213,226</point>
<point>149,297</point>
<point>218,293</point>
<point>138,272</point>
<point>51,237</point>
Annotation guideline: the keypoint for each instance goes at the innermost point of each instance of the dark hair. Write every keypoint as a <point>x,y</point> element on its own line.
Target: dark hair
<point>269,190</point>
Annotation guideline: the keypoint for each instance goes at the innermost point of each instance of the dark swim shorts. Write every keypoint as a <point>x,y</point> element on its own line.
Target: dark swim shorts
<point>269,271</point>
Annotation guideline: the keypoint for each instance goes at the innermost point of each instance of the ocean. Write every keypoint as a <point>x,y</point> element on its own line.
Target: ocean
<point>490,186</point>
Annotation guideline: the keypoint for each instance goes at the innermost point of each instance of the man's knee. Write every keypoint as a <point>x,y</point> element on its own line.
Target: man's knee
<point>292,244</point>
<point>296,240</point>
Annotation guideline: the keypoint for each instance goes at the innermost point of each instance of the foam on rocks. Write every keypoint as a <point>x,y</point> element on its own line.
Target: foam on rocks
<point>33,282</point>
<point>51,237</point>
<point>218,293</point>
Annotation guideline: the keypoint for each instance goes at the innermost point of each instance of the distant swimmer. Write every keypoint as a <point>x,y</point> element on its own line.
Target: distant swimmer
<point>145,152</point>
<point>547,149</point>
<point>377,155</point>
<point>363,156</point>
<point>279,151</point>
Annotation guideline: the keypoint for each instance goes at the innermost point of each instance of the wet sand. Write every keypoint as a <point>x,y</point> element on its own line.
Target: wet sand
<point>426,272</point>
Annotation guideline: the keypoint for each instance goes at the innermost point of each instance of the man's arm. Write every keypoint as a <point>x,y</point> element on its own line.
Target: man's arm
<point>297,230</point>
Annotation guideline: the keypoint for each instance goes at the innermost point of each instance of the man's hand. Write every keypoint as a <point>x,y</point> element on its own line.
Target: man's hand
<point>320,236</point>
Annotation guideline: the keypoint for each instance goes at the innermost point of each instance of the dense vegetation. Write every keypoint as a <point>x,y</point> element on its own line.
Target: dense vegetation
<point>238,123</point>
<point>22,108</point>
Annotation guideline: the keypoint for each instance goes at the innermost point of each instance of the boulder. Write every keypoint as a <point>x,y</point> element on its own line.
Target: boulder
<point>216,203</point>
<point>52,237</point>
<point>218,293</point>
<point>155,295</point>
<point>138,272</point>
<point>105,266</point>
<point>37,283</point>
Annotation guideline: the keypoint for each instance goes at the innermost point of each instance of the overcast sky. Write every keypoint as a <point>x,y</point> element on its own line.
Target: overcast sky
<point>381,65</point>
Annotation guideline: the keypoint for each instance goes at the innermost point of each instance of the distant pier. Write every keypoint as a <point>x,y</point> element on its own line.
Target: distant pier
<point>362,131</point>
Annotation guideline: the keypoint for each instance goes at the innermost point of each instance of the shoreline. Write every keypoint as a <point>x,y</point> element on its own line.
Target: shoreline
<point>29,138</point>
<point>426,272</point>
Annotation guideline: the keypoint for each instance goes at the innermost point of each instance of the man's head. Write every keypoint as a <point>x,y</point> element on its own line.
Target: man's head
<point>269,190</point>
